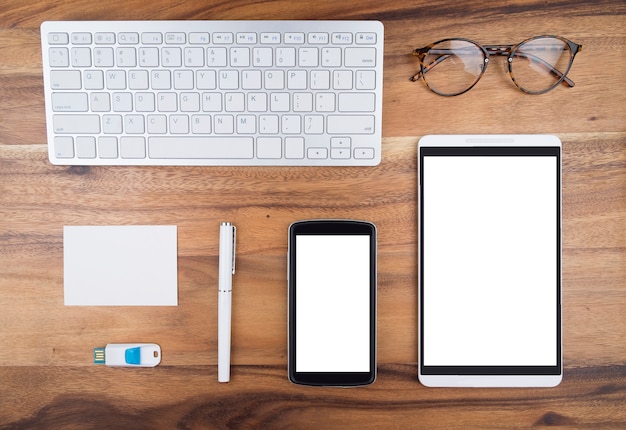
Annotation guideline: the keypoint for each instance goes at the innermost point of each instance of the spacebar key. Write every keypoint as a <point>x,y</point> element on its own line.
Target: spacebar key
<point>200,147</point>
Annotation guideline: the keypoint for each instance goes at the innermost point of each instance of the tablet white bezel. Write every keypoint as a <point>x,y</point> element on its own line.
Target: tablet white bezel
<point>490,379</point>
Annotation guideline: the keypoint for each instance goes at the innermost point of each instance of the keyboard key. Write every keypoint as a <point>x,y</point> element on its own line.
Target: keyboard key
<point>151,38</point>
<point>308,57</point>
<point>365,38</point>
<point>246,38</point>
<point>86,147</point>
<point>200,147</point>
<point>294,147</point>
<point>58,38</point>
<point>76,124</point>
<point>294,38</point>
<point>103,57</point>
<point>105,38</point>
<point>128,38</point>
<point>364,153</point>
<point>81,38</point>
<point>317,153</point>
<point>350,124</point>
<point>223,38</point>
<point>132,147</point>
<point>270,38</point>
<point>341,38</point>
<point>177,38</point>
<point>107,147</point>
<point>65,80</point>
<point>318,38</point>
<point>365,80</point>
<point>360,57</point>
<point>356,102</point>
<point>64,147</point>
<point>59,57</point>
<point>94,79</point>
<point>69,102</point>
<point>199,38</point>
<point>269,147</point>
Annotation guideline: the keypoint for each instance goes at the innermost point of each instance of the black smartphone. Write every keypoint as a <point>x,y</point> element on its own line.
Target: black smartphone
<point>332,302</point>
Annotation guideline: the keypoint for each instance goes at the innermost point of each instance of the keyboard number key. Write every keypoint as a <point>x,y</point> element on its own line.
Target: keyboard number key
<point>216,57</point>
<point>126,57</point>
<point>262,57</point>
<point>286,57</point>
<point>81,57</point>
<point>103,57</point>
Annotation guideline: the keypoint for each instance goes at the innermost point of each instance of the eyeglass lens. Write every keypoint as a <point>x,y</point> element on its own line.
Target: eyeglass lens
<point>539,64</point>
<point>452,67</point>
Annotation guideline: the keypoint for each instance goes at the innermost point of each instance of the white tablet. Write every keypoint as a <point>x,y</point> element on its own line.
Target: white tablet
<point>489,308</point>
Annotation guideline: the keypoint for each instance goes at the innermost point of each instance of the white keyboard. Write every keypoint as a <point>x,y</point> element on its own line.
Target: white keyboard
<point>250,93</point>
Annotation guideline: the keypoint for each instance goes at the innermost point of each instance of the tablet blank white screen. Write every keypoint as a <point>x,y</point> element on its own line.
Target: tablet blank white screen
<point>490,260</point>
<point>333,303</point>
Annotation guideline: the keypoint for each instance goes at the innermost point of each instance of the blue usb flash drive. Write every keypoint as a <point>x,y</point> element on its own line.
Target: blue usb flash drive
<point>128,355</point>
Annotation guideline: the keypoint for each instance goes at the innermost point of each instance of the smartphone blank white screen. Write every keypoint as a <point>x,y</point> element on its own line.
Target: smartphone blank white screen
<point>490,260</point>
<point>332,303</point>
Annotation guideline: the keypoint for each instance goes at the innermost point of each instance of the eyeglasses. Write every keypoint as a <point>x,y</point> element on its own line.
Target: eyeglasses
<point>453,66</point>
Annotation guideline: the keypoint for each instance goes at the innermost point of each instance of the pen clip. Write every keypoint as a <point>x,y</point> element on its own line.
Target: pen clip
<point>234,245</point>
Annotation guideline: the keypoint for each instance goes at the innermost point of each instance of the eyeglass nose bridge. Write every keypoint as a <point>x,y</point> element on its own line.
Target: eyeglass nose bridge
<point>499,50</point>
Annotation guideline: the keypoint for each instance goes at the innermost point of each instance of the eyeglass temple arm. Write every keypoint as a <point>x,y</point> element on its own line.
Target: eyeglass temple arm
<point>444,55</point>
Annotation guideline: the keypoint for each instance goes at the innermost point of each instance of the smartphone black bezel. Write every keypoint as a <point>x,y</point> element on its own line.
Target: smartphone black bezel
<point>330,227</point>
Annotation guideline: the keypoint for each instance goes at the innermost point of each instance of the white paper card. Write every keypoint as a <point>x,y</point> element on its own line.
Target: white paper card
<point>120,265</point>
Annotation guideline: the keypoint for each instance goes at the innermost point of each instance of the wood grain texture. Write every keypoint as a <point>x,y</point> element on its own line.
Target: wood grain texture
<point>47,379</point>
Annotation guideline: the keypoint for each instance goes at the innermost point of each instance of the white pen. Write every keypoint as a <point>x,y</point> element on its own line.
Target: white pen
<point>225,285</point>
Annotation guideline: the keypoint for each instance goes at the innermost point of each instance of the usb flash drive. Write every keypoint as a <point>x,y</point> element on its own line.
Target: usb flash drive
<point>128,355</point>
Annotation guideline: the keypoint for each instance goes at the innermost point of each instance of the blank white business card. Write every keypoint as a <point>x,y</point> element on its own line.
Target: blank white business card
<point>120,265</point>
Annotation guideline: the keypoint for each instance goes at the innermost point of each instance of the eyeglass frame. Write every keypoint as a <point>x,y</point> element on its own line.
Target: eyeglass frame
<point>498,50</point>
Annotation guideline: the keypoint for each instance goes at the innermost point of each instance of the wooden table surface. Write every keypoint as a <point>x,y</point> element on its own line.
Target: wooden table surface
<point>47,378</point>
